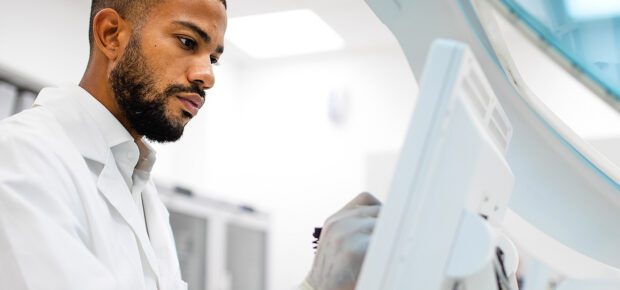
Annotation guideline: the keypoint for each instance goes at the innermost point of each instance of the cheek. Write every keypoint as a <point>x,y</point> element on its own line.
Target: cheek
<point>166,65</point>
<point>158,72</point>
<point>162,82</point>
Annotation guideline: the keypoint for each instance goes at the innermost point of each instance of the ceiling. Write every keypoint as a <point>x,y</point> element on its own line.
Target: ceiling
<point>352,19</point>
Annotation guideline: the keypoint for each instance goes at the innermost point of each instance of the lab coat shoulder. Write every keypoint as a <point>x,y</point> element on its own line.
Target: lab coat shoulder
<point>45,242</point>
<point>34,147</point>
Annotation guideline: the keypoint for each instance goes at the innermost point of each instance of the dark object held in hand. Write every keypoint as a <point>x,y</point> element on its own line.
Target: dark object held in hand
<point>317,236</point>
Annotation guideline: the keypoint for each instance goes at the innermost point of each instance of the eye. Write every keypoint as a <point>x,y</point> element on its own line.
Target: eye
<point>187,43</point>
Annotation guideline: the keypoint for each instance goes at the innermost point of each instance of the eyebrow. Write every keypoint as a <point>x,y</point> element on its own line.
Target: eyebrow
<point>205,36</point>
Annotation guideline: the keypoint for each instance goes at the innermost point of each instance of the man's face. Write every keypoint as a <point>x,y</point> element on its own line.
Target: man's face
<point>160,79</point>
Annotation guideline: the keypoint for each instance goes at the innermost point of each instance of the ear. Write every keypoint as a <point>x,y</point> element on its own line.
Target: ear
<point>110,32</point>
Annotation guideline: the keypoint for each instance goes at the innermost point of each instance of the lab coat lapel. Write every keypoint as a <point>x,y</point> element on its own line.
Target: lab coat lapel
<point>157,219</point>
<point>110,184</point>
<point>87,139</point>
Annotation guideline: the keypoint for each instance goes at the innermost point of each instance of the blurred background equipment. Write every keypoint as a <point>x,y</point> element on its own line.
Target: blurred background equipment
<point>8,97</point>
<point>221,246</point>
<point>24,101</point>
<point>17,92</point>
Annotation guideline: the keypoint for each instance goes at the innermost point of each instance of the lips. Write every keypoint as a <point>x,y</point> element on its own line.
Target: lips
<point>192,102</point>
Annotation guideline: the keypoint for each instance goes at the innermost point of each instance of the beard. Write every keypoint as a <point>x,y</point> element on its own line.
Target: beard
<point>140,102</point>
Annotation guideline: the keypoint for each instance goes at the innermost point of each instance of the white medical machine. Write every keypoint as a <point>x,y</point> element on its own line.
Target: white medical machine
<point>451,187</point>
<point>439,228</point>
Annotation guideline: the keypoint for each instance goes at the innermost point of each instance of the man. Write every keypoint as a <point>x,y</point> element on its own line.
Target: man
<point>78,209</point>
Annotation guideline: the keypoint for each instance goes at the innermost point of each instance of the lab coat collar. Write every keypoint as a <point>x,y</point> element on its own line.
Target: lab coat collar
<point>159,226</point>
<point>148,156</point>
<point>117,194</point>
<point>113,132</point>
<point>83,133</point>
<point>89,139</point>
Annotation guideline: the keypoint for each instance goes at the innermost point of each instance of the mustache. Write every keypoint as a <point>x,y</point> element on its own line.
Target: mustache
<point>178,88</point>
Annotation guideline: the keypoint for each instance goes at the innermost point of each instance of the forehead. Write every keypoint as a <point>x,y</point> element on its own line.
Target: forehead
<point>209,15</point>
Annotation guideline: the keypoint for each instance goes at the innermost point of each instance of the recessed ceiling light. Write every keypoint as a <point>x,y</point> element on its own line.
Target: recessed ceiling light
<point>282,34</point>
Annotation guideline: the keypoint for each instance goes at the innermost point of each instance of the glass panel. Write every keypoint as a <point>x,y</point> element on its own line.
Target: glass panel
<point>190,236</point>
<point>246,257</point>
<point>585,32</point>
<point>573,103</point>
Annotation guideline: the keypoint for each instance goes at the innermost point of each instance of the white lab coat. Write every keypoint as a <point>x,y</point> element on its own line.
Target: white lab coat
<point>67,218</point>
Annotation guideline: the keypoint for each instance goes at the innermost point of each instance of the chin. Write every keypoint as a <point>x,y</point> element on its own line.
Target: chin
<point>180,121</point>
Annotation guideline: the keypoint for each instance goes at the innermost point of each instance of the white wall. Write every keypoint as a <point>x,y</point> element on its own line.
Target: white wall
<point>265,138</point>
<point>46,41</point>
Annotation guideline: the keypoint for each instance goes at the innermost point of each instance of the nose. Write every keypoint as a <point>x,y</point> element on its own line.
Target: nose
<point>202,75</point>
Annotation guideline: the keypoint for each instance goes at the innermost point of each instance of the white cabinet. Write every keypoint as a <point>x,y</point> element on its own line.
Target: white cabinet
<point>221,246</point>
<point>8,97</point>
<point>17,91</point>
<point>25,101</point>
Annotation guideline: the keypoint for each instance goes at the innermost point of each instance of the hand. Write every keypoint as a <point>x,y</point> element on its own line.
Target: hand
<point>344,241</point>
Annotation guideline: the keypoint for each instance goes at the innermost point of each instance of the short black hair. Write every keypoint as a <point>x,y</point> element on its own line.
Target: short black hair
<point>128,9</point>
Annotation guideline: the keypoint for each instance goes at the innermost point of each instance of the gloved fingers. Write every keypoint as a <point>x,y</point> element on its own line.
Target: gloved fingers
<point>347,233</point>
<point>356,226</point>
<point>352,248</point>
<point>359,248</point>
<point>367,225</point>
<point>344,241</point>
<point>362,211</point>
<point>362,199</point>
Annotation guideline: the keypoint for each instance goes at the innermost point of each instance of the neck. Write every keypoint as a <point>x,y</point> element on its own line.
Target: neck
<point>98,86</point>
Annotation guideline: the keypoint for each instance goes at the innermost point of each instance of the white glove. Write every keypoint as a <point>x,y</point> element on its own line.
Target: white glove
<point>343,244</point>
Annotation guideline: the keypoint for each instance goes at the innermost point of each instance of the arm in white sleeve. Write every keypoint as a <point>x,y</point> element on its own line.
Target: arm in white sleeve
<point>43,236</point>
